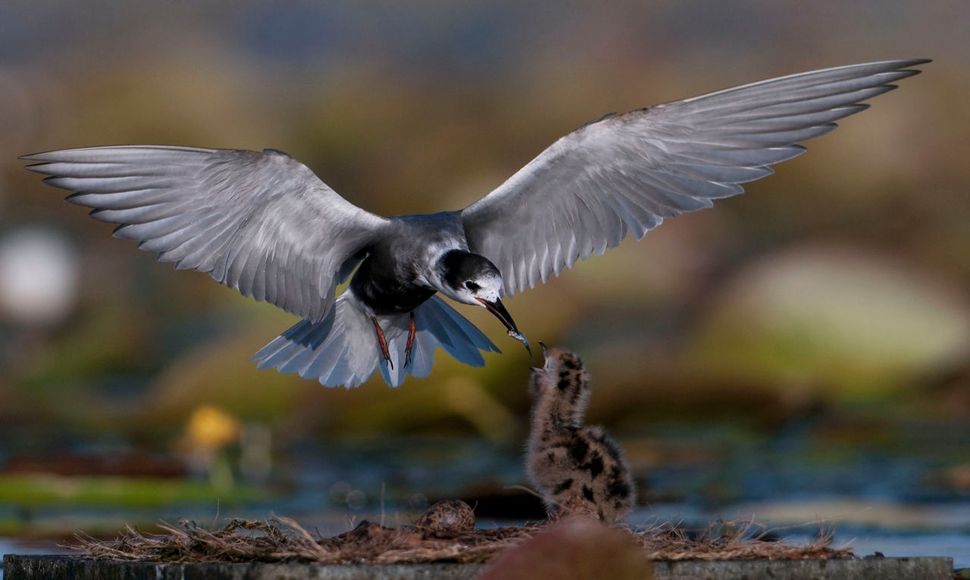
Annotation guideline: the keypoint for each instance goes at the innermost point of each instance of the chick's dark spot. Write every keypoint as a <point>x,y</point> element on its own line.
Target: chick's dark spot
<point>574,396</point>
<point>588,492</point>
<point>618,488</point>
<point>563,486</point>
<point>595,465</point>
<point>578,450</point>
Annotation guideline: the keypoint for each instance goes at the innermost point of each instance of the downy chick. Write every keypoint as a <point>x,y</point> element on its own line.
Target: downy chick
<point>577,469</point>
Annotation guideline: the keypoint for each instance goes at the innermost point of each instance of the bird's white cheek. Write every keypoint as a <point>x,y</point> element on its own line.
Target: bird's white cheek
<point>488,296</point>
<point>469,298</point>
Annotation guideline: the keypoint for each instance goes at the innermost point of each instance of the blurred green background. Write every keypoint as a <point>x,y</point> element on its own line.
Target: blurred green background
<point>829,306</point>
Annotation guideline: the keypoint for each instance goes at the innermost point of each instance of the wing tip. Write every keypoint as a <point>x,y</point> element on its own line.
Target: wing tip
<point>890,64</point>
<point>119,233</point>
<point>915,62</point>
<point>43,156</point>
<point>38,168</point>
<point>52,180</point>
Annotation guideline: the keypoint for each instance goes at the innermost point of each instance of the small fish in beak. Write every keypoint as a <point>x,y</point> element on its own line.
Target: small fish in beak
<point>521,338</point>
<point>499,311</point>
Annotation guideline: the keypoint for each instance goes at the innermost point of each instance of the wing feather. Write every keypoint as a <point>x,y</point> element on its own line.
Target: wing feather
<point>259,222</point>
<point>626,173</point>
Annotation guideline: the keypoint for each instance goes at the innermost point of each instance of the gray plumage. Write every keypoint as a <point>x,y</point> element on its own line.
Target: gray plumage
<point>261,223</point>
<point>625,173</point>
<point>332,350</point>
<point>264,224</point>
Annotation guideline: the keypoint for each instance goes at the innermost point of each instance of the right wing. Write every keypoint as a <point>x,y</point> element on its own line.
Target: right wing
<point>261,223</point>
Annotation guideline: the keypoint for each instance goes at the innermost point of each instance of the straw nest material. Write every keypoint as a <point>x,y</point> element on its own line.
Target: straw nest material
<point>435,539</point>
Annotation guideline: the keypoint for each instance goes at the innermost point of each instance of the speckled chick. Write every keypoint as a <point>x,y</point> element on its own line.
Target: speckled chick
<point>578,470</point>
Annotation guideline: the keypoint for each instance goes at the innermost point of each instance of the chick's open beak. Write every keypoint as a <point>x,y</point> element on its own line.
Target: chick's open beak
<point>498,309</point>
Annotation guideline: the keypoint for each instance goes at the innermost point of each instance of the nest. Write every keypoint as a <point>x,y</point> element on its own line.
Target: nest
<point>282,539</point>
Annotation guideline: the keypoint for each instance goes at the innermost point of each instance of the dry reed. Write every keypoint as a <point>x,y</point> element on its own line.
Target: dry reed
<point>282,539</point>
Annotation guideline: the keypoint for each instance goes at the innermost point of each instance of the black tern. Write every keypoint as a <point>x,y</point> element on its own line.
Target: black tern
<point>264,224</point>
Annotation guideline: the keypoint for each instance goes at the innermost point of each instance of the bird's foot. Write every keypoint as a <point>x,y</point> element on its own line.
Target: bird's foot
<point>409,348</point>
<point>382,342</point>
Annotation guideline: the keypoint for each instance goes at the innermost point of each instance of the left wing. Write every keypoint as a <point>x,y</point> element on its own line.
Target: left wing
<point>626,173</point>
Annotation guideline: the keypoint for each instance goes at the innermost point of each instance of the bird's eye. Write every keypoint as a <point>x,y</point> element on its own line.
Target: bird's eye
<point>472,286</point>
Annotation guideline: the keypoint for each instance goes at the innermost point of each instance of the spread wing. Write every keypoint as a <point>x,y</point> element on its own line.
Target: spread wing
<point>261,223</point>
<point>626,173</point>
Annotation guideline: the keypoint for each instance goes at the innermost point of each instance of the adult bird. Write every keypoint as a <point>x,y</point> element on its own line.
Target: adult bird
<point>264,224</point>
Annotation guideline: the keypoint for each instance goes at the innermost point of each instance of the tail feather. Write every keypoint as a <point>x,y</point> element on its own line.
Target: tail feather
<point>459,337</point>
<point>281,349</point>
<point>341,350</point>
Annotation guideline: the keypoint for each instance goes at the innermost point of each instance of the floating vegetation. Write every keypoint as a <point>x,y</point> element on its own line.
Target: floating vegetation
<point>45,490</point>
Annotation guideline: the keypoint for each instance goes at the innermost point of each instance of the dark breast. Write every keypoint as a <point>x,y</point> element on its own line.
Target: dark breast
<point>386,281</point>
<point>386,287</point>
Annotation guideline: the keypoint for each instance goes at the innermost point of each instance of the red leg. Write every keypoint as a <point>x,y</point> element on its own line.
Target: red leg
<point>382,341</point>
<point>409,349</point>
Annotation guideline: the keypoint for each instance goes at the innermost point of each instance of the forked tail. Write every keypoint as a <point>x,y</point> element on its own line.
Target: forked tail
<point>342,349</point>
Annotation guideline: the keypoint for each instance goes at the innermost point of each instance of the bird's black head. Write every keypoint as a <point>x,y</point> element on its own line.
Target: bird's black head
<point>473,279</point>
<point>464,271</point>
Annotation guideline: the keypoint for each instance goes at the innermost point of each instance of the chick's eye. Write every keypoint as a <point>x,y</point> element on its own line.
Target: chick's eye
<point>472,286</point>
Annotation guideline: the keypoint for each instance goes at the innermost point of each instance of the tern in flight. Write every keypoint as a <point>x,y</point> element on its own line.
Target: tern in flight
<point>264,224</point>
